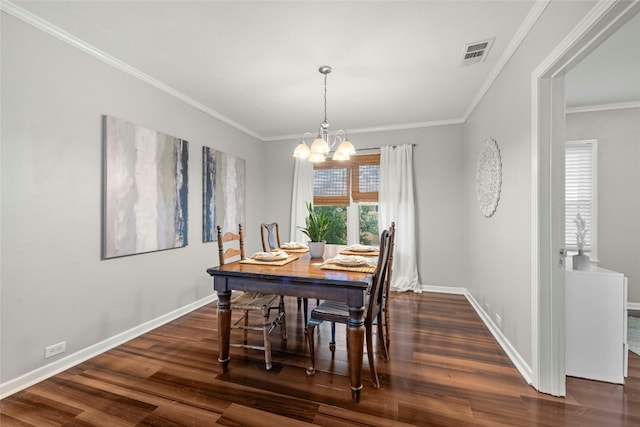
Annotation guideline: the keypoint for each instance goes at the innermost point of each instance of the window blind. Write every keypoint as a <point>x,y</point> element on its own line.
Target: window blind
<point>331,186</point>
<point>366,178</point>
<point>338,183</point>
<point>580,191</point>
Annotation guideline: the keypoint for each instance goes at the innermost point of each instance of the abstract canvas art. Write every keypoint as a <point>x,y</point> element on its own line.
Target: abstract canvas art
<point>230,191</point>
<point>208,194</point>
<point>145,189</point>
<point>223,192</point>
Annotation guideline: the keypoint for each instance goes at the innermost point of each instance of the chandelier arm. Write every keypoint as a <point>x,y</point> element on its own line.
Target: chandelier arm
<point>304,135</point>
<point>346,136</point>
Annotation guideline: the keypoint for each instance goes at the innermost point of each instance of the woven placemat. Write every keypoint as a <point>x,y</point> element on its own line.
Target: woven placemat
<point>361,269</point>
<point>258,262</point>
<point>360,253</point>
<point>294,251</point>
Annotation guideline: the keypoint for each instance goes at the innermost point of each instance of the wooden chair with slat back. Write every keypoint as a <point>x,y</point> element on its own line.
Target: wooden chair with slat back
<point>248,302</point>
<point>338,312</point>
<point>383,317</point>
<point>225,254</point>
<point>270,234</point>
<point>385,293</point>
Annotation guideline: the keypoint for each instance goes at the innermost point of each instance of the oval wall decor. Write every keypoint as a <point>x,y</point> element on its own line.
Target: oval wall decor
<point>489,177</point>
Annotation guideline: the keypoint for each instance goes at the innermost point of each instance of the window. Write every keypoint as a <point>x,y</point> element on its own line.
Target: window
<point>348,192</point>
<point>580,192</point>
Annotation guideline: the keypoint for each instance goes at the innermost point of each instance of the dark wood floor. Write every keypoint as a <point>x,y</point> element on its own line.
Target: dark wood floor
<point>445,370</point>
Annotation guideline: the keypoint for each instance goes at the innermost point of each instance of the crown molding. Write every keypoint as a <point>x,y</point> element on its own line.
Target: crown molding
<point>70,39</point>
<point>603,107</point>
<point>409,126</point>
<point>522,32</point>
<point>404,126</point>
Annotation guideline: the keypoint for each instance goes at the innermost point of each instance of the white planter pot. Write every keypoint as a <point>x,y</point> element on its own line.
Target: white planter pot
<point>581,262</point>
<point>316,249</point>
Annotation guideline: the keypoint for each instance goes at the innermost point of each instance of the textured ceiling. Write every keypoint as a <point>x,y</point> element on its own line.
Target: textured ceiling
<point>255,63</point>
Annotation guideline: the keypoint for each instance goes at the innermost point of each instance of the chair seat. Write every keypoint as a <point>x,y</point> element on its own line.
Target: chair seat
<point>331,308</point>
<point>253,301</point>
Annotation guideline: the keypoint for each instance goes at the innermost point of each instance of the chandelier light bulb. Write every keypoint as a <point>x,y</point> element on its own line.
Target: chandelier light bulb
<point>302,151</point>
<point>317,158</point>
<point>319,146</point>
<point>340,156</point>
<point>347,148</point>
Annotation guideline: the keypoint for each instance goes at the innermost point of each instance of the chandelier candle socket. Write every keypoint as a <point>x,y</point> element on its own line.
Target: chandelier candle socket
<point>323,144</point>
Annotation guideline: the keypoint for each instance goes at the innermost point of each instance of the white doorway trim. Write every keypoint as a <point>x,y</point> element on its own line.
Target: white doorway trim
<point>548,117</point>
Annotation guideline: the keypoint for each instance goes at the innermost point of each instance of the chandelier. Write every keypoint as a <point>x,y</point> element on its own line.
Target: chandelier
<point>323,144</point>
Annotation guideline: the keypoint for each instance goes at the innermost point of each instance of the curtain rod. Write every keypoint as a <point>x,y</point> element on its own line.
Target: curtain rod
<point>377,148</point>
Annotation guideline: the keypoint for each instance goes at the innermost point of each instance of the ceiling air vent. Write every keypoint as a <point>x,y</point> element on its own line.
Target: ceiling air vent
<point>476,52</point>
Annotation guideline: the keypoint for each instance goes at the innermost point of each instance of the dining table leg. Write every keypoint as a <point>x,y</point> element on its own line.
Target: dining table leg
<point>224,328</point>
<point>355,343</point>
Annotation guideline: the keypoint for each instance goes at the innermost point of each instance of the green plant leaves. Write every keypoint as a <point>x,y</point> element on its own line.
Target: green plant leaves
<point>317,225</point>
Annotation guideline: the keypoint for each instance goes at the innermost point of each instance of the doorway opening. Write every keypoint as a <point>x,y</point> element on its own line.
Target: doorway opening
<point>548,127</point>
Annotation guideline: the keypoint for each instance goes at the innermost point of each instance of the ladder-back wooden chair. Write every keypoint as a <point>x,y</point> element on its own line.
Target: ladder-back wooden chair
<point>385,293</point>
<point>338,312</point>
<point>383,317</point>
<point>270,234</point>
<point>230,246</point>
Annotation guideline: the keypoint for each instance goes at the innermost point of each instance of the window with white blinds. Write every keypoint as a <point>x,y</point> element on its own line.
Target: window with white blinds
<point>580,192</point>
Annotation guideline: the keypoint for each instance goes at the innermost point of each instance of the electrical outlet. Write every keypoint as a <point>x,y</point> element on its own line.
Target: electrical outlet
<point>499,321</point>
<point>52,350</point>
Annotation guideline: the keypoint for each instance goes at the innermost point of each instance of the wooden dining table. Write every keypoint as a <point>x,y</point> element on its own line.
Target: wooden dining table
<point>302,277</point>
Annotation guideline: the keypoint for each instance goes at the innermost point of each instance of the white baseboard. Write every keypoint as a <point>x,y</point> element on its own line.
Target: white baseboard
<point>44,372</point>
<point>633,305</point>
<point>444,290</point>
<point>40,374</point>
<point>520,364</point>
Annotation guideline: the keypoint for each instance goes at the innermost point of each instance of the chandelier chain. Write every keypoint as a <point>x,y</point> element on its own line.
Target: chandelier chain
<point>325,98</point>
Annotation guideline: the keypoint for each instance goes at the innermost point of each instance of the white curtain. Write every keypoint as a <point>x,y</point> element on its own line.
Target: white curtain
<point>397,205</point>
<point>302,194</point>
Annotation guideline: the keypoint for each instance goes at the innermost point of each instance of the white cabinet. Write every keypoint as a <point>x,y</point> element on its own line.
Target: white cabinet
<point>596,325</point>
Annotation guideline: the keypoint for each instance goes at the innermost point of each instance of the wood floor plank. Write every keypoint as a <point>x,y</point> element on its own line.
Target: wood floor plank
<point>446,369</point>
<point>241,415</point>
<point>335,416</point>
<point>33,409</point>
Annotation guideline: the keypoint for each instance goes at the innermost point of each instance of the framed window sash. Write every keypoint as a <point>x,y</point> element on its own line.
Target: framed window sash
<point>338,183</point>
<point>581,192</point>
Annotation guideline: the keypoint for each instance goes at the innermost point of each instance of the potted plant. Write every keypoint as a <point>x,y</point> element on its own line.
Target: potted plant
<point>316,230</point>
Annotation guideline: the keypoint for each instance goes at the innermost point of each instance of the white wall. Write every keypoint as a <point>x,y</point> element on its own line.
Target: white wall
<point>438,186</point>
<point>618,135</point>
<point>54,285</point>
<point>498,249</point>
